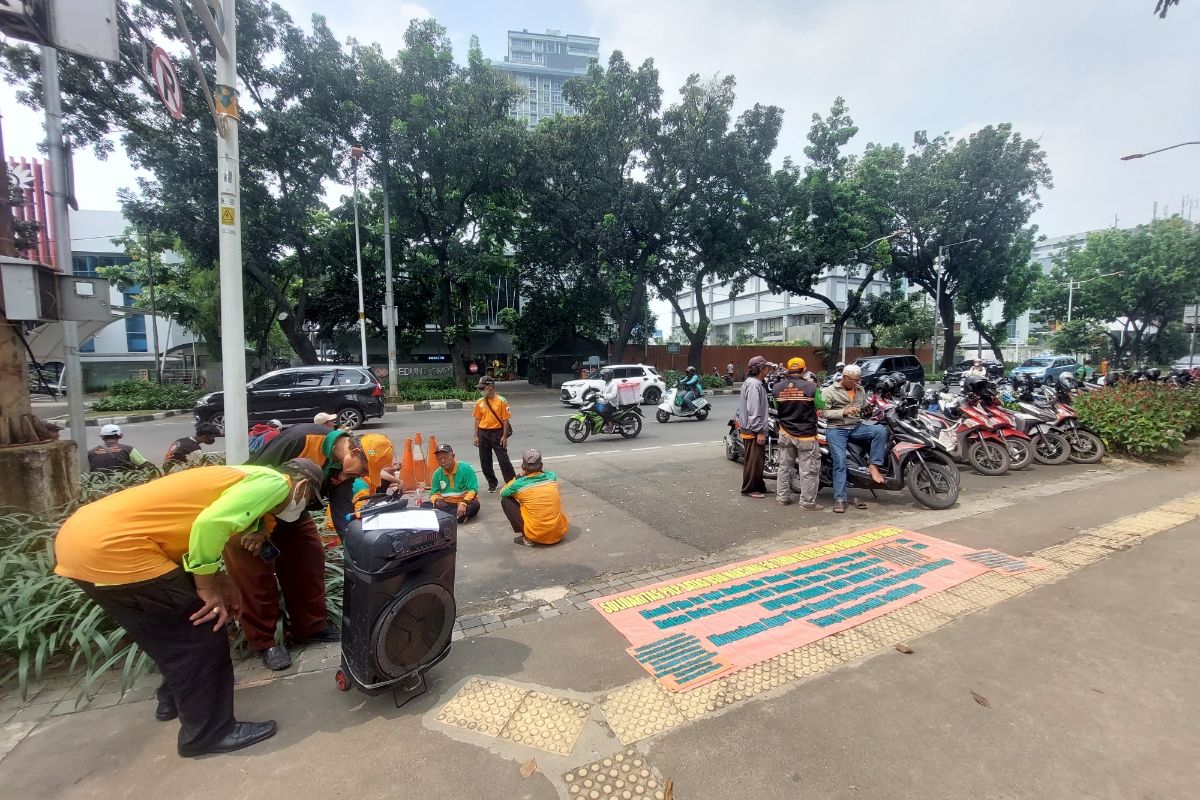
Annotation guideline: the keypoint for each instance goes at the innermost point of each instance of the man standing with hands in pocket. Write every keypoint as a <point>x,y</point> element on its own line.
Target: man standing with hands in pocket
<point>752,411</point>
<point>492,429</point>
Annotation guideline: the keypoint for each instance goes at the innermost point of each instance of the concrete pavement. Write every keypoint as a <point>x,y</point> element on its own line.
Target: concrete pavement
<point>1086,680</point>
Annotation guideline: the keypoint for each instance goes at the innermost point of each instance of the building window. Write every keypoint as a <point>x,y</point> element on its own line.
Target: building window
<point>135,327</point>
<point>772,326</point>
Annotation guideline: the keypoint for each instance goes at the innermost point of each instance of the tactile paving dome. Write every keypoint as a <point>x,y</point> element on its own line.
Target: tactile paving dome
<point>547,722</point>
<point>482,706</point>
<point>640,710</point>
<point>622,776</point>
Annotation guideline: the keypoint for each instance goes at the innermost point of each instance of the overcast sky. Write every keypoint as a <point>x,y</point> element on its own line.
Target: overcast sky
<point>1092,81</point>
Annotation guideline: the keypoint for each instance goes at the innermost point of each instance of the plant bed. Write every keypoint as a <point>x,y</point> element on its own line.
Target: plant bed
<point>1146,420</point>
<point>142,396</point>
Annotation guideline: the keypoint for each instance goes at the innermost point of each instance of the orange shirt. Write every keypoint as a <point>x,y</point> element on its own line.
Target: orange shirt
<point>491,419</point>
<point>541,506</point>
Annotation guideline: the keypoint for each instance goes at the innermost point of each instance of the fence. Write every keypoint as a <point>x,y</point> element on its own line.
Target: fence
<point>719,356</point>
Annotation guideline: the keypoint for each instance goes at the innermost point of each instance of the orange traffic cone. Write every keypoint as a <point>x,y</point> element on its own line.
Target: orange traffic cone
<point>407,475</point>
<point>431,463</point>
<point>420,473</point>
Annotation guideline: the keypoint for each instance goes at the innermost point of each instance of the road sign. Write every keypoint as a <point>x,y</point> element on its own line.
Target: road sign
<point>1191,315</point>
<point>672,347</point>
<point>228,217</point>
<point>166,79</point>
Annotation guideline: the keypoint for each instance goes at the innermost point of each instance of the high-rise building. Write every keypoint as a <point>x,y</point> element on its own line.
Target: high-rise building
<point>540,63</point>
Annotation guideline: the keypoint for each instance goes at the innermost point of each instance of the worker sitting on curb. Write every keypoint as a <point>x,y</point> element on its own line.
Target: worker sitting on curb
<point>454,487</point>
<point>533,505</point>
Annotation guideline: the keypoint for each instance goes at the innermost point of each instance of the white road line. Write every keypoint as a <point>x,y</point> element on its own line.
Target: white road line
<point>603,452</point>
<point>636,449</point>
<point>552,416</point>
<point>690,444</point>
<point>551,458</point>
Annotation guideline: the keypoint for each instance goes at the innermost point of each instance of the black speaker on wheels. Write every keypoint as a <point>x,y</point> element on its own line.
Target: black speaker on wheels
<point>398,605</point>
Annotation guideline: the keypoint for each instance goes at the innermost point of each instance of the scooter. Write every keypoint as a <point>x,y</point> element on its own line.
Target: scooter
<point>1020,445</point>
<point>932,484</point>
<point>1053,406</point>
<point>968,435</point>
<point>672,406</point>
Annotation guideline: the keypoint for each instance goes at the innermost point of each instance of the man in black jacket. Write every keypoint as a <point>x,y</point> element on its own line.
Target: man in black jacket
<point>796,400</point>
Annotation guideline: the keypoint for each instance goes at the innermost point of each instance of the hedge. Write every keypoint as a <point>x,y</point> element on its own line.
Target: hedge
<point>1142,419</point>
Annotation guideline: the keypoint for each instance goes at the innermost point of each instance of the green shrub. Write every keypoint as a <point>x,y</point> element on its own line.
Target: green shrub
<point>47,621</point>
<point>1142,419</point>
<point>144,395</point>
<point>708,381</point>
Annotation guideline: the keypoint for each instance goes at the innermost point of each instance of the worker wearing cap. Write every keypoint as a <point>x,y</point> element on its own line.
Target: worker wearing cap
<point>299,569</point>
<point>111,455</point>
<point>797,398</point>
<point>533,505</point>
<point>454,487</point>
<point>752,412</point>
<point>350,489</point>
<point>328,420</point>
<point>492,429</point>
<point>150,556</point>
<point>180,449</point>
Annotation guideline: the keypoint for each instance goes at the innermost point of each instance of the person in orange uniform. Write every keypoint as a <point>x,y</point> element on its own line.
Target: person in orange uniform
<point>492,428</point>
<point>454,487</point>
<point>150,557</point>
<point>533,505</point>
<point>352,487</point>
<point>299,568</point>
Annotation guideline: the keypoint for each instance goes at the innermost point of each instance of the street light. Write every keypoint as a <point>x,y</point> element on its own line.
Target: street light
<point>1132,156</point>
<point>937,295</point>
<point>1072,284</point>
<point>356,153</point>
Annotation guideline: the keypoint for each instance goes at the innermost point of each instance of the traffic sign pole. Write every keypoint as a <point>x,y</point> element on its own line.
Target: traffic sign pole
<point>229,223</point>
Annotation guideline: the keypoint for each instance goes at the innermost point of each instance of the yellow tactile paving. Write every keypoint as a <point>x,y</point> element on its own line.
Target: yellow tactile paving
<point>948,604</point>
<point>887,630</point>
<point>482,706</point>
<point>1072,554</point>
<point>1112,538</point>
<point>1152,522</point>
<point>1005,584</point>
<point>1047,571</point>
<point>640,710</point>
<point>1189,506</point>
<point>621,776</point>
<point>921,617</point>
<point>703,700</point>
<point>849,645</point>
<point>978,593</point>
<point>547,722</point>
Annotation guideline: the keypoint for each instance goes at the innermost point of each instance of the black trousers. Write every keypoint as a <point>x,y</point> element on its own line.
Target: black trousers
<point>194,659</point>
<point>512,510</point>
<point>489,442</point>
<point>752,477</point>
<point>452,508</point>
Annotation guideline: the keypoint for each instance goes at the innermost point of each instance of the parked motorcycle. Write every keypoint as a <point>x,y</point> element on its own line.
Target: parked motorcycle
<point>735,448</point>
<point>1053,404</point>
<point>968,434</point>
<point>672,406</point>
<point>910,465</point>
<point>626,421</point>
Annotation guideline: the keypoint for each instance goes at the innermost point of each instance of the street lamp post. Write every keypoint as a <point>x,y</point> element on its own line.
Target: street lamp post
<point>937,295</point>
<point>1132,156</point>
<point>1073,284</point>
<point>356,153</point>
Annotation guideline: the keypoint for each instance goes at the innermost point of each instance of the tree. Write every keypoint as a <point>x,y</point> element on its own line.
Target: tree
<point>826,217</point>
<point>294,120</point>
<point>984,187</point>
<point>912,323</point>
<point>879,312</point>
<point>455,153</point>
<point>1078,336</point>
<point>721,172</point>
<point>1159,266</point>
<point>1163,6</point>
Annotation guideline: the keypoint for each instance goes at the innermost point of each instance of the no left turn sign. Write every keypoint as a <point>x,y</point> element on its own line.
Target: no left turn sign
<point>166,79</point>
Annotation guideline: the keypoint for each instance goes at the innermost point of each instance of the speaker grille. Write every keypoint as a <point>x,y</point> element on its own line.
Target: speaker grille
<point>413,630</point>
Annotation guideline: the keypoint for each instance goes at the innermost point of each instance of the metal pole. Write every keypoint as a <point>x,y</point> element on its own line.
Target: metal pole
<point>937,296</point>
<point>62,247</point>
<point>153,310</point>
<point>1192,346</point>
<point>233,328</point>
<point>362,320</point>
<point>389,299</point>
<point>1070,298</point>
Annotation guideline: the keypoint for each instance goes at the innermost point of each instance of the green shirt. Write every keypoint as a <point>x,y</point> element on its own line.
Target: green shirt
<point>461,486</point>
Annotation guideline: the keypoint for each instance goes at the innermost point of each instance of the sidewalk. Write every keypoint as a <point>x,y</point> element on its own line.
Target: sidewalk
<point>1084,673</point>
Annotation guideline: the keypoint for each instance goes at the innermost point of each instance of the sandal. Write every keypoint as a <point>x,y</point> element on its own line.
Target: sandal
<point>858,502</point>
<point>839,507</point>
<point>521,540</point>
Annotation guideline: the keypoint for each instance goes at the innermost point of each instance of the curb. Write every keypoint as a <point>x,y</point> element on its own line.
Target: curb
<point>428,405</point>
<point>98,421</point>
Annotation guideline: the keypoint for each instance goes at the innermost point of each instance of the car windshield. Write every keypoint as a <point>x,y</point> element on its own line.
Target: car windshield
<point>1036,362</point>
<point>868,366</point>
<point>652,371</point>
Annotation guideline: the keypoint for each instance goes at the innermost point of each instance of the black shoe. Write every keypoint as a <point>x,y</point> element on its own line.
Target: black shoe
<point>243,734</point>
<point>327,634</point>
<point>166,710</point>
<point>276,658</point>
<point>493,486</point>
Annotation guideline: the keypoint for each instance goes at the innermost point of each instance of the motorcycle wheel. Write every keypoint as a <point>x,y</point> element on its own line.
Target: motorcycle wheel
<point>577,430</point>
<point>662,416</point>
<point>932,485</point>
<point>988,458</point>
<point>1086,447</point>
<point>702,414</point>
<point>1051,448</point>
<point>946,461</point>
<point>630,427</point>
<point>1021,453</point>
<point>731,452</point>
<point>771,462</point>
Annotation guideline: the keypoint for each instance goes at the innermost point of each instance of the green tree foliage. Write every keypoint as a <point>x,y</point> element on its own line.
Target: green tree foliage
<point>1078,336</point>
<point>984,187</point>
<point>721,167</point>
<point>1159,266</point>
<point>911,324</point>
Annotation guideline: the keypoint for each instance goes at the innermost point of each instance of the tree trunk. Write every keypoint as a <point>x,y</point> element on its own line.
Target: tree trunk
<point>874,343</point>
<point>982,330</point>
<point>292,326</point>
<point>835,343</point>
<point>629,320</point>
<point>949,338</point>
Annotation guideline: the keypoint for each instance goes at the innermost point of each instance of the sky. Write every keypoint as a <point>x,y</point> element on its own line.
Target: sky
<point>1090,81</point>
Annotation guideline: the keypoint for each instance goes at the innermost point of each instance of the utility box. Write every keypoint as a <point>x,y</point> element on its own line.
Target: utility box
<point>33,292</point>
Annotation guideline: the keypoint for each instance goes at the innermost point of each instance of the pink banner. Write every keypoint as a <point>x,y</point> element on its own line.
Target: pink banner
<point>689,631</point>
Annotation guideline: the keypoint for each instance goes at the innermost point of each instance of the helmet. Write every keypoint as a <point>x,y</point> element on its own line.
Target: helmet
<point>978,385</point>
<point>1067,382</point>
<point>840,365</point>
<point>607,374</point>
<point>900,378</point>
<point>691,370</point>
<point>886,385</point>
<point>1154,373</point>
<point>915,391</point>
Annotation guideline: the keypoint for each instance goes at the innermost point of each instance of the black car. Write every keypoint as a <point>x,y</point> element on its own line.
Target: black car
<point>873,367</point>
<point>995,370</point>
<point>300,393</point>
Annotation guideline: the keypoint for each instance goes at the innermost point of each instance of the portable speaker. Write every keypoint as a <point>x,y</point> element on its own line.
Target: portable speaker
<point>398,605</point>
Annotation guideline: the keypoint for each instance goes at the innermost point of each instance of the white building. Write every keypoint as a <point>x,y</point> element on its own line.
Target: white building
<point>758,313</point>
<point>540,63</point>
<point>125,347</point>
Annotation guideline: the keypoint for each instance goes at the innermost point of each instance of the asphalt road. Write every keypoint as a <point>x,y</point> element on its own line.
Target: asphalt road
<point>668,495</point>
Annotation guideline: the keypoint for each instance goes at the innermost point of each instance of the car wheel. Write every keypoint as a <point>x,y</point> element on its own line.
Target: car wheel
<point>349,417</point>
<point>651,396</point>
<point>219,421</point>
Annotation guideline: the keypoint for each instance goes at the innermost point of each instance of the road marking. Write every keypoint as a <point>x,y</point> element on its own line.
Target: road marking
<point>636,449</point>
<point>604,452</point>
<point>551,416</point>
<point>551,458</point>
<point>690,444</point>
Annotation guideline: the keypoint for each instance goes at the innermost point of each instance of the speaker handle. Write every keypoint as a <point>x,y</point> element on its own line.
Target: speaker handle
<point>395,505</point>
